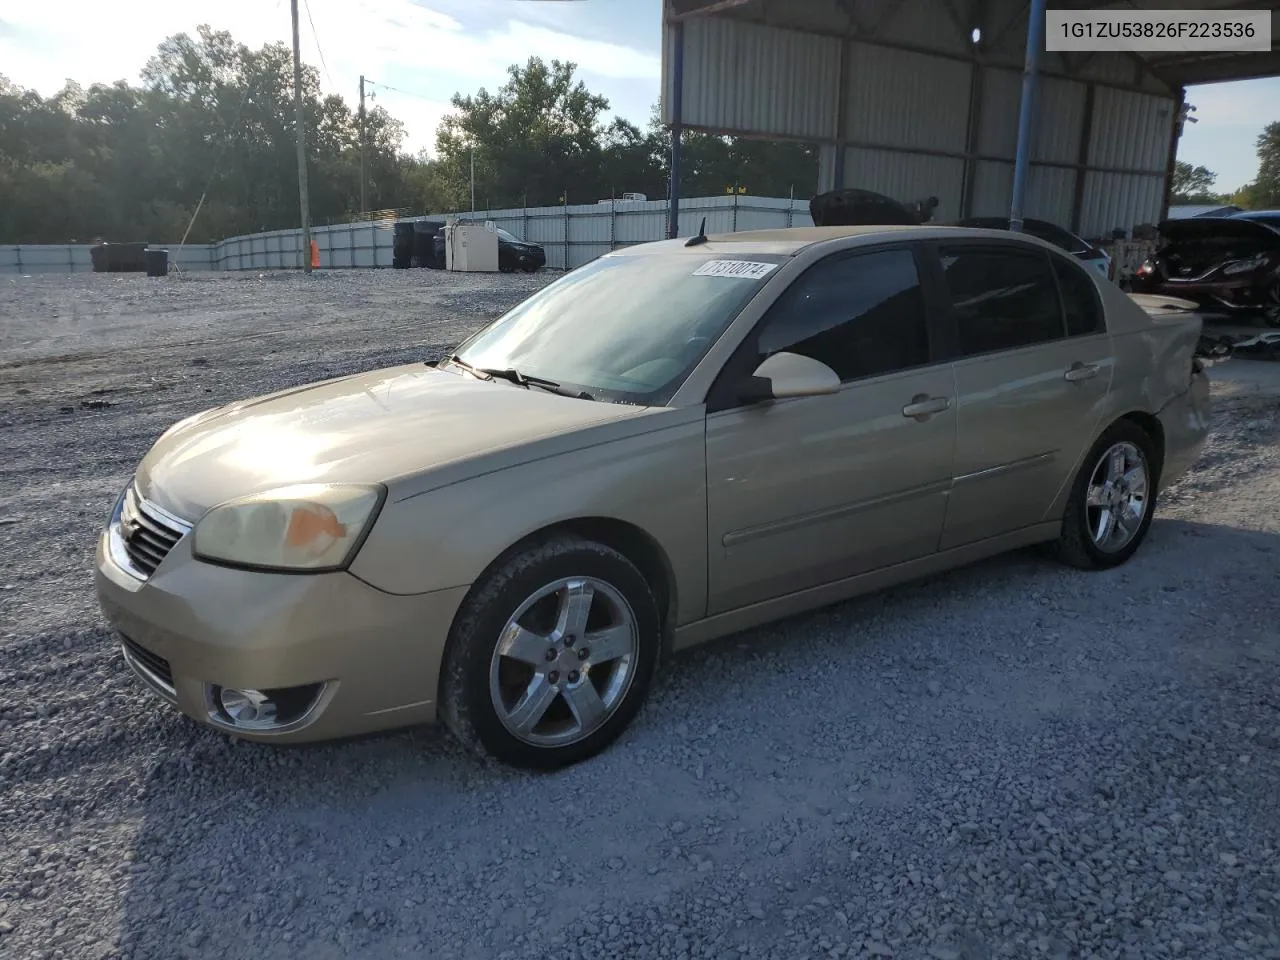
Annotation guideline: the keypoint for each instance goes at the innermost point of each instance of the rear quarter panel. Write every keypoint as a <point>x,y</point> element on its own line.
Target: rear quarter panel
<point>653,478</point>
<point>1152,365</point>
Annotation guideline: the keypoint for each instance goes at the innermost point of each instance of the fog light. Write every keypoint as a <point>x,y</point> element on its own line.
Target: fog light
<point>248,708</point>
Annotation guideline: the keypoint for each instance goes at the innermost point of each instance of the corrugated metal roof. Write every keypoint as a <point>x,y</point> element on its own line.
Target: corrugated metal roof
<point>741,76</point>
<point>1131,131</point>
<point>902,99</point>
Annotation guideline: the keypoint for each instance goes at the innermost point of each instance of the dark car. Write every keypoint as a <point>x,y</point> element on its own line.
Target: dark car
<point>1224,264</point>
<point>513,253</point>
<point>1095,258</point>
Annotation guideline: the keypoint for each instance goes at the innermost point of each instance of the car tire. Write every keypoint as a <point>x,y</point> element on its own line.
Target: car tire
<point>1093,535</point>
<point>520,681</point>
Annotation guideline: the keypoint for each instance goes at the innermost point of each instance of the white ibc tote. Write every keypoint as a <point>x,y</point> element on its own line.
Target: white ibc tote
<point>471,247</point>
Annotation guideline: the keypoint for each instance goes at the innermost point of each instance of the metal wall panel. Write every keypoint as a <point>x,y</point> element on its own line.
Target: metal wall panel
<point>26,259</point>
<point>1131,131</point>
<point>900,99</point>
<point>1050,192</point>
<point>907,176</point>
<point>1059,117</point>
<point>1120,200</point>
<point>743,76</point>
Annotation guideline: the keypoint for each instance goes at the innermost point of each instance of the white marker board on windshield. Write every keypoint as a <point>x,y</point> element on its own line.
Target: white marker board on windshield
<point>736,269</point>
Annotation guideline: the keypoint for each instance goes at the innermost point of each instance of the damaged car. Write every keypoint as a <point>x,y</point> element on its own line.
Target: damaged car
<point>1223,264</point>
<point>674,442</point>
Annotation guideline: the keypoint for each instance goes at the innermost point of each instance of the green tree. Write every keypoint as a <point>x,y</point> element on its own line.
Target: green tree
<point>536,140</point>
<point>1192,184</point>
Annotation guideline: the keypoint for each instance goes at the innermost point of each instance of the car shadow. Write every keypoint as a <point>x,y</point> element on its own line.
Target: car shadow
<point>364,847</point>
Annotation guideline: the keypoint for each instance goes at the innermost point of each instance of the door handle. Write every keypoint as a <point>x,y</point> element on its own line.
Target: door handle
<point>1080,371</point>
<point>923,406</point>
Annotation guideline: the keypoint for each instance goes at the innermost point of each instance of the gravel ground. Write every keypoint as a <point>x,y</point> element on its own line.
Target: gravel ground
<point>1012,760</point>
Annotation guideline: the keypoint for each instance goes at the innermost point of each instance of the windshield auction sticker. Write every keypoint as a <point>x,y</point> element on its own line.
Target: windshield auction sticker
<point>742,269</point>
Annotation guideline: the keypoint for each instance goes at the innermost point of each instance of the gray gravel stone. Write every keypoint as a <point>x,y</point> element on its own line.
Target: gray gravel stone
<point>1085,797</point>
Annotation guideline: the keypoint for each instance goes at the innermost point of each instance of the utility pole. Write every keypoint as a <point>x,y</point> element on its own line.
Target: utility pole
<point>302,142</point>
<point>473,176</point>
<point>364,205</point>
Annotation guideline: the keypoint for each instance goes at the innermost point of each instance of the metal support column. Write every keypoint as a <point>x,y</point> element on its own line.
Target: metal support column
<point>1082,157</point>
<point>1171,165</point>
<point>1026,112</point>
<point>842,110</point>
<point>677,128</point>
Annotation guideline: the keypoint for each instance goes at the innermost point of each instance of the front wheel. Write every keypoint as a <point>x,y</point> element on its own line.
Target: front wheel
<point>551,655</point>
<point>1112,500</point>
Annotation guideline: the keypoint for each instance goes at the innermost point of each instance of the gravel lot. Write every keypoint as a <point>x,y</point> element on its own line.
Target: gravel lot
<point>1013,760</point>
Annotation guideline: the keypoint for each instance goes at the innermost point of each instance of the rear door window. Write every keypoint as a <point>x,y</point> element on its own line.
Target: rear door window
<point>1080,302</point>
<point>1003,298</point>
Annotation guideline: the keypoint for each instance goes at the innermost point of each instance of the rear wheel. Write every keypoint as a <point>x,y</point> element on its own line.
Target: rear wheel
<point>1112,500</point>
<point>552,654</point>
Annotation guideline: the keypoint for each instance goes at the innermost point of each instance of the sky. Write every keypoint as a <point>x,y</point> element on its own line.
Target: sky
<point>426,49</point>
<point>430,49</point>
<point>1229,117</point>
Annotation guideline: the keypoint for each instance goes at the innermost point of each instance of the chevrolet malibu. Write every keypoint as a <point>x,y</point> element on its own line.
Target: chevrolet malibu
<point>674,442</point>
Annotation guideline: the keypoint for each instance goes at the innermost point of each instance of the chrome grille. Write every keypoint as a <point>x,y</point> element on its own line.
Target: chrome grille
<point>148,534</point>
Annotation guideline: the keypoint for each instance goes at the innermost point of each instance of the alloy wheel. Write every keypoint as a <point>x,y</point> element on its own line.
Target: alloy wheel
<point>1116,497</point>
<point>564,662</point>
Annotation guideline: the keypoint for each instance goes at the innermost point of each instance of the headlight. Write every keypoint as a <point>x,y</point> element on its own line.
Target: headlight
<point>1147,268</point>
<point>309,527</point>
<point>1243,266</point>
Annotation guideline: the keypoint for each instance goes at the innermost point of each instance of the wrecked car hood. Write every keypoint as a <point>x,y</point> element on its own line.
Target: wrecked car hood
<point>1217,228</point>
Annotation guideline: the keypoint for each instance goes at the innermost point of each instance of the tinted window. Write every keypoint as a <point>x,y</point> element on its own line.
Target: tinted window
<point>862,315</point>
<point>1079,299</point>
<point>1003,298</point>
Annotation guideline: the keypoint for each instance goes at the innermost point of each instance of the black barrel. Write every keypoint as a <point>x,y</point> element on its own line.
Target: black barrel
<point>157,263</point>
<point>424,242</point>
<point>402,245</point>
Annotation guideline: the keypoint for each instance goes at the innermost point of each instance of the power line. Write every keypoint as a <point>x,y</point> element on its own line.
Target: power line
<point>407,93</point>
<point>315,36</point>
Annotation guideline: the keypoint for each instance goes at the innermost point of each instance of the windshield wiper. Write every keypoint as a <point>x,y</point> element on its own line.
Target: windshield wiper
<point>518,378</point>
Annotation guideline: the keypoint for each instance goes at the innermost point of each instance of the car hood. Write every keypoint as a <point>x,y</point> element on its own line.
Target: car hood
<point>375,427</point>
<point>1217,228</point>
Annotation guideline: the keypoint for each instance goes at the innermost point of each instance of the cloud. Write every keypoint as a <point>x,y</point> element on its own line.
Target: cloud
<point>399,43</point>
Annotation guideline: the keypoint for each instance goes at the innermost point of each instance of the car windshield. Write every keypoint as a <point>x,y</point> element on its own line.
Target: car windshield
<point>507,236</point>
<point>626,328</point>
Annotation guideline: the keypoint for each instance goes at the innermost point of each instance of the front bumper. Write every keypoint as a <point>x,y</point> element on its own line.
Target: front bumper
<point>1235,294</point>
<point>372,658</point>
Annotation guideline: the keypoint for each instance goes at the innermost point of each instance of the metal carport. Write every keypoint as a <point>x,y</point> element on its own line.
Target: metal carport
<point>903,101</point>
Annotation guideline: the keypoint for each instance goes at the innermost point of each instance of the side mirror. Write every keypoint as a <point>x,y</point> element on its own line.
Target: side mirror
<point>786,375</point>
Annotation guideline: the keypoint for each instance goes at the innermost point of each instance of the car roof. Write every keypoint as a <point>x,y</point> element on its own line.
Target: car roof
<point>788,241</point>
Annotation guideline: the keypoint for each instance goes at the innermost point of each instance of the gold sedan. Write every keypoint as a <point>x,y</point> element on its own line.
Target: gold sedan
<point>676,441</point>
